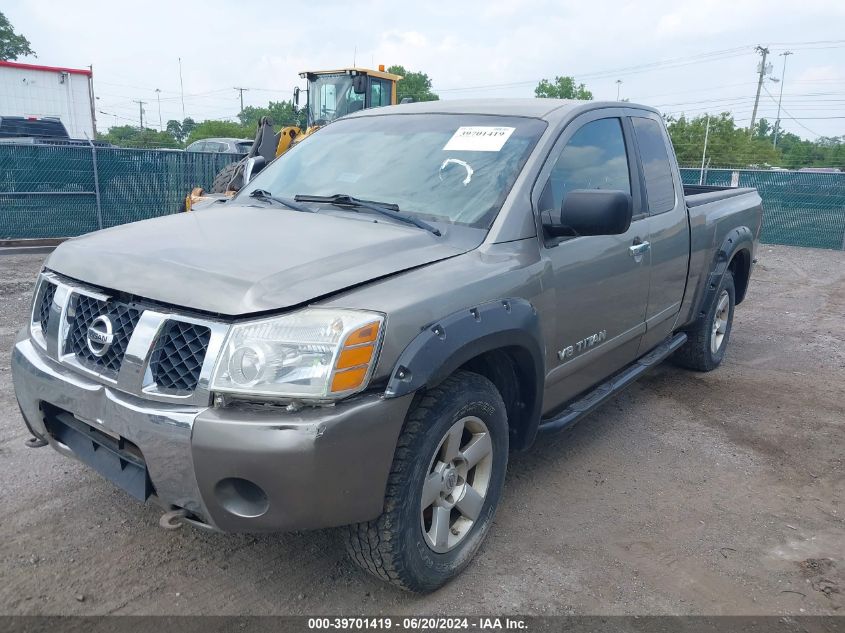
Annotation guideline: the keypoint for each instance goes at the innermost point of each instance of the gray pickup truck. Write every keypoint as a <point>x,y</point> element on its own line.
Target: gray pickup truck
<point>365,331</point>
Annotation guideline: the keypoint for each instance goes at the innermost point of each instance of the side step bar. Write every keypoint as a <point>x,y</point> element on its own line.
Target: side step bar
<point>611,387</point>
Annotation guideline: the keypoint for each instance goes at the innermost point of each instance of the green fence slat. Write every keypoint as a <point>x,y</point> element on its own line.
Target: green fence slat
<point>799,208</point>
<point>48,190</point>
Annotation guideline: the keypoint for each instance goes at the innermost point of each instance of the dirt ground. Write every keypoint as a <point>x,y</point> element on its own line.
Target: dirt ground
<point>717,493</point>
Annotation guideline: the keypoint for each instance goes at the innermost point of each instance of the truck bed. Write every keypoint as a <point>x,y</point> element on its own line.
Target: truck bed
<point>713,213</point>
<point>696,195</point>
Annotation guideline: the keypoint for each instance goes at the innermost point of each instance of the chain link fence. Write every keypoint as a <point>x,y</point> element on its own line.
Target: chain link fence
<point>53,191</point>
<point>799,208</point>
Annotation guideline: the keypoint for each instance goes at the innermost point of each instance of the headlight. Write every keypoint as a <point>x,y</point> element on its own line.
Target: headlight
<point>314,353</point>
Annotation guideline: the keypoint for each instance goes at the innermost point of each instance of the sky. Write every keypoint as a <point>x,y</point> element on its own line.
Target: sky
<point>681,56</point>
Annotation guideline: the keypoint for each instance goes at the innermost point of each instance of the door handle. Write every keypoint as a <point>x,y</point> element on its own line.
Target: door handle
<point>638,249</point>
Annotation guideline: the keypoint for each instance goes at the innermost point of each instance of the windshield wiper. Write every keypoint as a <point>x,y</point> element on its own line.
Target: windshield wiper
<point>389,210</point>
<point>262,194</point>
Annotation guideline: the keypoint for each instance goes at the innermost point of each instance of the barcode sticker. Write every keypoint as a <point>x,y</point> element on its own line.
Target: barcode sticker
<point>479,138</point>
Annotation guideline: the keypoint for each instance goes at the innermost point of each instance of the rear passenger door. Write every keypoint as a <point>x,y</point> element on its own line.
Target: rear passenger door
<point>600,282</point>
<point>668,227</point>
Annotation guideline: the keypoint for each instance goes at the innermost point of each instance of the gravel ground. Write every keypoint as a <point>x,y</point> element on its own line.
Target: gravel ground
<point>717,493</point>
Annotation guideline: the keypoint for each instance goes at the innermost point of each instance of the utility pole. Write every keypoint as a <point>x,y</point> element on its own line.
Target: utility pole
<point>763,52</point>
<point>241,90</point>
<point>182,89</point>
<point>704,153</point>
<point>141,105</point>
<point>618,88</point>
<point>784,54</point>
<point>158,97</point>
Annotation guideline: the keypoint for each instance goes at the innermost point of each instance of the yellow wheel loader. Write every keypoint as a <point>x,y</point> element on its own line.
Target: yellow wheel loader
<point>330,95</point>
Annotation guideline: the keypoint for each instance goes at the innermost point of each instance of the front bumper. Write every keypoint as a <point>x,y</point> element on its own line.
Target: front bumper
<point>240,468</point>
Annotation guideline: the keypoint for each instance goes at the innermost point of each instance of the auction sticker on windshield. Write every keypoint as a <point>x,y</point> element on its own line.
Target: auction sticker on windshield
<point>479,138</point>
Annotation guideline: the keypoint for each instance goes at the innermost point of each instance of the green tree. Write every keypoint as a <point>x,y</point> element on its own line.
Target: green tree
<point>130,136</point>
<point>282,113</point>
<point>728,145</point>
<point>174,128</point>
<point>12,45</point>
<point>188,125</point>
<point>562,88</point>
<point>416,85</point>
<point>211,129</point>
<point>180,131</point>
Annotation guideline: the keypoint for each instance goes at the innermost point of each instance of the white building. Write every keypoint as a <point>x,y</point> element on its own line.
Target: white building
<point>48,91</point>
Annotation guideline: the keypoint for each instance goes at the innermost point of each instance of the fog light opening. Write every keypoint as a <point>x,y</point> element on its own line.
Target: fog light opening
<point>241,497</point>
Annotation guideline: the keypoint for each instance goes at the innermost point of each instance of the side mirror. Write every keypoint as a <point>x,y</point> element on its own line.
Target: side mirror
<point>591,212</point>
<point>359,84</point>
<point>253,165</point>
<point>296,96</point>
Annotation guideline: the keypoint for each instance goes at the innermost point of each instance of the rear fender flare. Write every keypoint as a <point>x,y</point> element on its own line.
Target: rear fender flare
<point>740,238</point>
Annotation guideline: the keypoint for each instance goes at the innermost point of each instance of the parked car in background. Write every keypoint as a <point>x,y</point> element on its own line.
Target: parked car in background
<point>33,130</point>
<point>32,126</point>
<point>221,145</point>
<point>820,170</point>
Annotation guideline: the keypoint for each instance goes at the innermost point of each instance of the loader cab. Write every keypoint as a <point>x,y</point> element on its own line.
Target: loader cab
<point>335,93</point>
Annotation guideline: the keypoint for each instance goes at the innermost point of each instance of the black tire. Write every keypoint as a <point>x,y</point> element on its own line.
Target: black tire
<point>224,178</point>
<point>697,353</point>
<point>393,547</point>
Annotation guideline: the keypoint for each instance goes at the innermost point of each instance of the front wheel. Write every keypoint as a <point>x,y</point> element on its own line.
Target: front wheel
<point>443,490</point>
<point>708,340</point>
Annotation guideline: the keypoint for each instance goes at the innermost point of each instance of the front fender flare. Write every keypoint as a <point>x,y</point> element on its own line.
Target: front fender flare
<point>444,346</point>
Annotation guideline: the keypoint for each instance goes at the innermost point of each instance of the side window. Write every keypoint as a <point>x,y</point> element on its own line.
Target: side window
<point>594,158</point>
<point>379,92</point>
<point>657,170</point>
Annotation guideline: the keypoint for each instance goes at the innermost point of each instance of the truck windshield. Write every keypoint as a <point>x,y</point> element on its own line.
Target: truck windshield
<point>453,168</point>
<point>332,96</point>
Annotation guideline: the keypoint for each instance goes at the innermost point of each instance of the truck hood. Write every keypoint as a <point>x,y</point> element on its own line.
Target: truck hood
<point>237,260</point>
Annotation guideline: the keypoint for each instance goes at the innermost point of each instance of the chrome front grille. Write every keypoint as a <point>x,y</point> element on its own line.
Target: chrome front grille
<point>153,352</point>
<point>81,314</point>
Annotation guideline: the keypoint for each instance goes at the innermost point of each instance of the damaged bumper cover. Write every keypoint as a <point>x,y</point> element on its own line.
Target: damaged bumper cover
<point>238,468</point>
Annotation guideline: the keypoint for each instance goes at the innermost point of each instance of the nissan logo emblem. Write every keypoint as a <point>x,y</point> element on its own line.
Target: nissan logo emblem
<point>100,335</point>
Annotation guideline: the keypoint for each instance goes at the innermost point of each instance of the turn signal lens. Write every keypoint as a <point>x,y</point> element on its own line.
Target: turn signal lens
<point>348,379</point>
<point>355,359</point>
<point>365,334</point>
<point>354,356</point>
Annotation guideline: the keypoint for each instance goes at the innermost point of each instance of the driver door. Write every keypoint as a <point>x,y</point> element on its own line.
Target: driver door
<point>600,282</point>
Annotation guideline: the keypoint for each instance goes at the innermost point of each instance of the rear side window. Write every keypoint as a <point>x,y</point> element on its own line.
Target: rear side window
<point>379,93</point>
<point>594,158</point>
<point>657,170</point>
